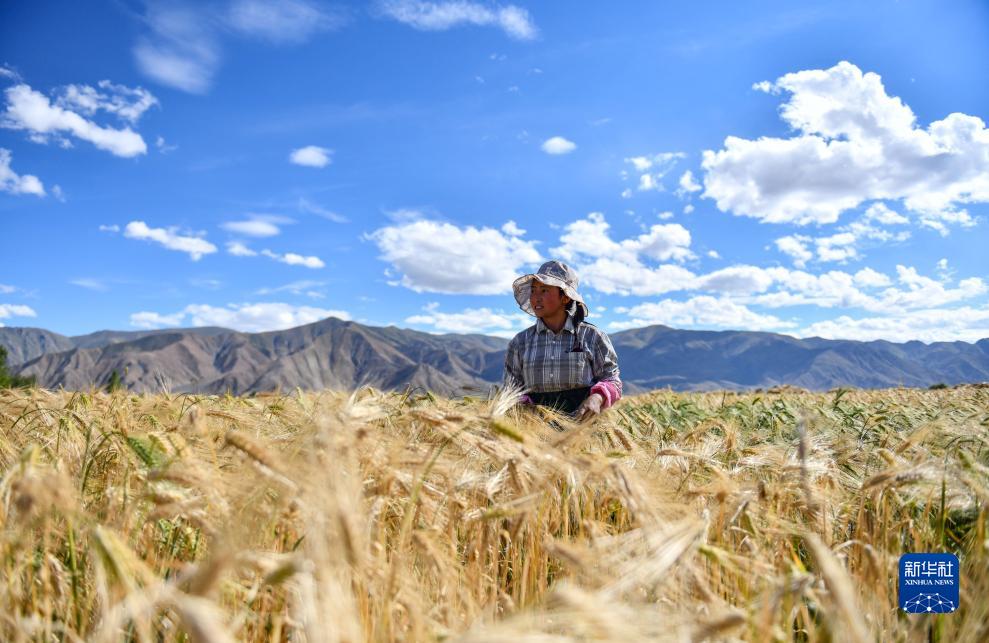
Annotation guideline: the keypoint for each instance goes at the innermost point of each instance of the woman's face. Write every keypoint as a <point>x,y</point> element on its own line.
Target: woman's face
<point>547,301</point>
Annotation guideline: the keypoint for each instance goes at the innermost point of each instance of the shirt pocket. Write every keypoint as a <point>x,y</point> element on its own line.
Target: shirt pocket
<point>578,370</point>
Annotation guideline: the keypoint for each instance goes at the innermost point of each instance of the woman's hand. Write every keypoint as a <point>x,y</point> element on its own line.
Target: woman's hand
<point>590,407</point>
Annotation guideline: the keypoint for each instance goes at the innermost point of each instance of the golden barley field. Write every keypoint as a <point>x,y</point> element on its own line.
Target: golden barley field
<point>775,516</point>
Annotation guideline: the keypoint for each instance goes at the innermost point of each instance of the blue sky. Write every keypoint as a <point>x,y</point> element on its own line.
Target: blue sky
<point>817,169</point>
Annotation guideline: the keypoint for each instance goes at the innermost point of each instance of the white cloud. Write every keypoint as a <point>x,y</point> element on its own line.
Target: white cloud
<point>309,207</point>
<point>703,311</point>
<point>869,278</point>
<point>688,184</point>
<point>589,238</point>
<point>558,145</point>
<point>442,257</point>
<point>90,284</point>
<point>294,259</point>
<point>713,254</point>
<point>647,182</point>
<point>795,245</point>
<point>440,16</point>
<point>163,146</point>
<point>284,21</point>
<point>845,243</point>
<point>736,280</point>
<point>967,324</point>
<point>854,143</point>
<point>249,318</point>
<point>6,289</point>
<point>252,228</point>
<point>631,277</point>
<point>472,320</point>
<point>195,247</point>
<point>257,225</point>
<point>238,249</point>
<point>149,320</point>
<point>181,49</point>
<point>881,213</point>
<point>311,156</point>
<point>128,104</point>
<point>7,72</point>
<point>652,168</point>
<point>302,287</point>
<point>110,228</point>
<point>15,183</point>
<point>836,289</point>
<point>512,229</point>
<point>32,111</point>
<point>16,310</point>
<point>617,267</point>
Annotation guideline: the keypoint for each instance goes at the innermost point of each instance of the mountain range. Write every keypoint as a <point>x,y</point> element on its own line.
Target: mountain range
<point>343,355</point>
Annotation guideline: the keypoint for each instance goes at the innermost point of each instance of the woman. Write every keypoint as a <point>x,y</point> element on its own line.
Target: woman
<point>561,361</point>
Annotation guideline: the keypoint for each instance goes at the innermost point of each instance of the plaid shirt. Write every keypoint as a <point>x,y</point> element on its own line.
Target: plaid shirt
<point>539,361</point>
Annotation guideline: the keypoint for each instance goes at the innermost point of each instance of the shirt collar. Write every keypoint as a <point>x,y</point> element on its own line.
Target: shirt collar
<point>567,326</point>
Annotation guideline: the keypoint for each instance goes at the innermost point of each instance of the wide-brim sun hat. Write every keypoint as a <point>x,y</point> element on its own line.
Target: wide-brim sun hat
<point>551,273</point>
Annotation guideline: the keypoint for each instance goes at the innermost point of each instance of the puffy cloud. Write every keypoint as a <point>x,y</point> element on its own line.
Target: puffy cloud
<point>126,103</point>
<point>737,280</point>
<point>512,229</point>
<point>472,320</point>
<point>294,259</point>
<point>854,143</point>
<point>195,247</point>
<point>249,318</point>
<point>284,21</point>
<point>311,156</point>
<point>836,289</point>
<point>967,324</point>
<point>15,183</point>
<point>441,257</point>
<point>704,311</point>
<point>869,278</point>
<point>623,277</point>
<point>795,246</point>
<point>590,238</point>
<point>845,243</point>
<point>440,16</point>
<point>32,111</point>
<point>16,310</point>
<point>881,213</point>
<point>617,267</point>
<point>688,184</point>
<point>558,145</point>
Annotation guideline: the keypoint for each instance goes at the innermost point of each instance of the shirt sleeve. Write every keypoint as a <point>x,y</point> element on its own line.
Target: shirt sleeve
<point>513,366</point>
<point>605,364</point>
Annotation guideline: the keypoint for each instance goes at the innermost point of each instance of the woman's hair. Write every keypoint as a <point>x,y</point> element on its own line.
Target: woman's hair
<point>576,312</point>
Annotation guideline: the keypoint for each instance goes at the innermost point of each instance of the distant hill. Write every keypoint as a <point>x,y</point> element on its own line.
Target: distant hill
<point>343,355</point>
